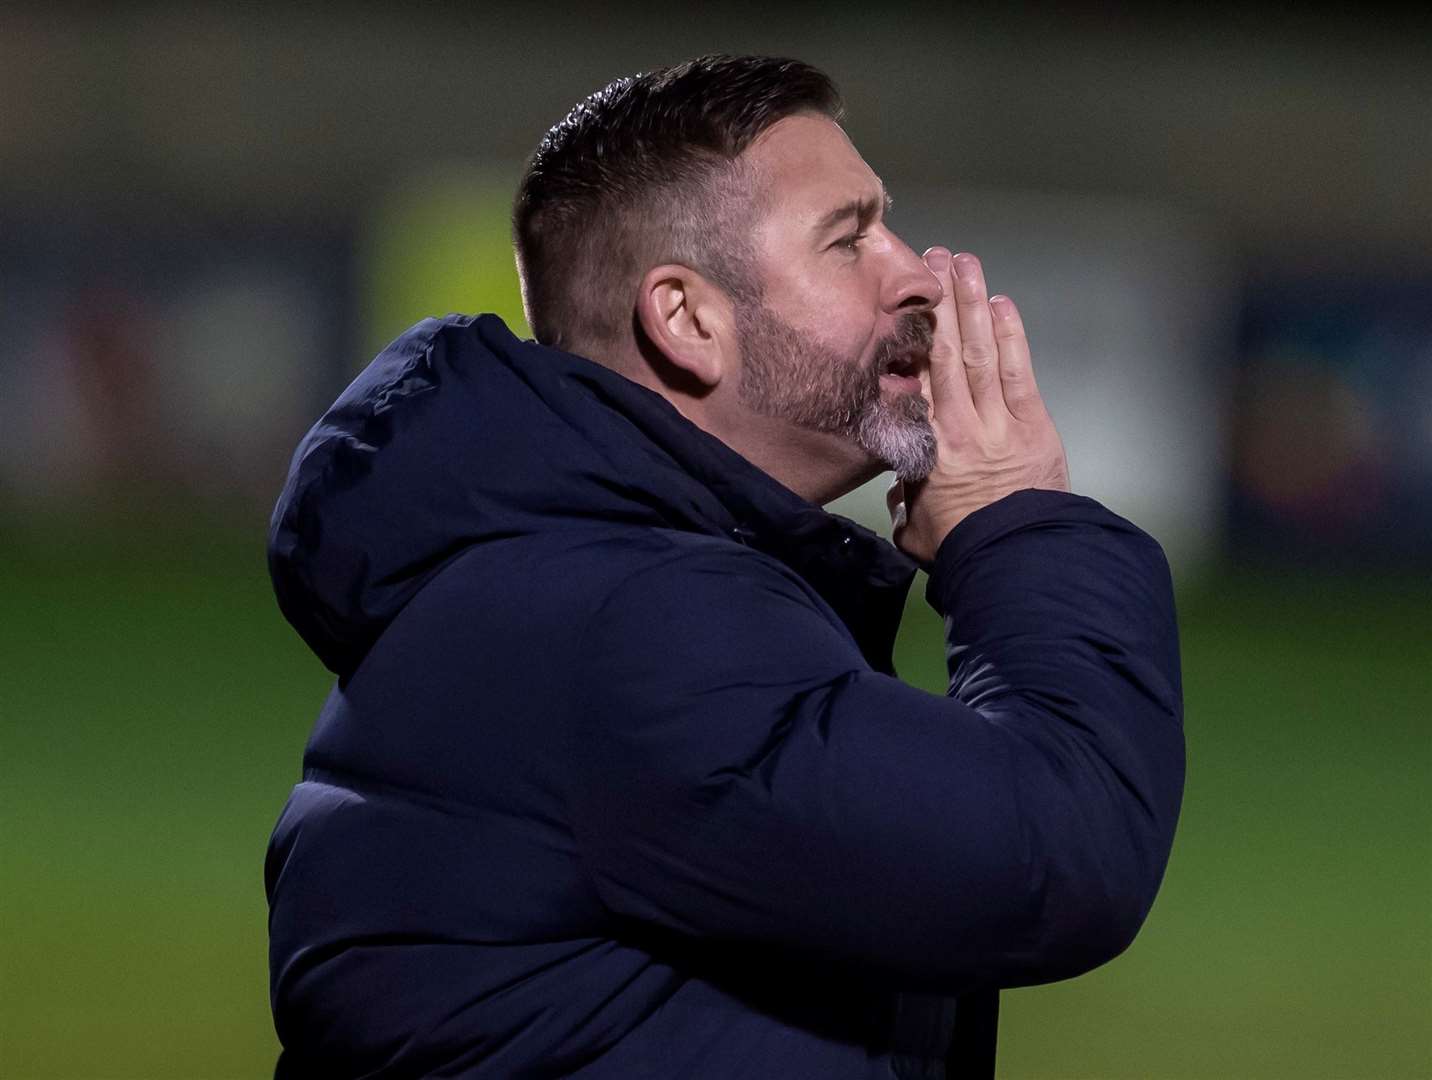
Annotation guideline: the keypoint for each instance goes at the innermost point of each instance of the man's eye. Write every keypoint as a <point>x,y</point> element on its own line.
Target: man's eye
<point>851,242</point>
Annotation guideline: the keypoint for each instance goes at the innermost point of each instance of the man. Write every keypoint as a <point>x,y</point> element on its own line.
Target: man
<point>617,779</point>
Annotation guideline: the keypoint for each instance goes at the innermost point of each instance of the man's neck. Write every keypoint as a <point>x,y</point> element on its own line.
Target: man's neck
<point>817,466</point>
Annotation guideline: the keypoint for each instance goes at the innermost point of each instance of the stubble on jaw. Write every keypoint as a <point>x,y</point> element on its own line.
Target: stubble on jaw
<point>787,375</point>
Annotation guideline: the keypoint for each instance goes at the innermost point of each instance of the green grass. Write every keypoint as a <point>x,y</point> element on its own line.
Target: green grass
<point>154,707</point>
<point>149,741</point>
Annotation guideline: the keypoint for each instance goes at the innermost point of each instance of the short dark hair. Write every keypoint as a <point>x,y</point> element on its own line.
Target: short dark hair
<point>642,172</point>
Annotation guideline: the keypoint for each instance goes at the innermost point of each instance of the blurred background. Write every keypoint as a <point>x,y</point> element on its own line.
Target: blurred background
<point>1218,226</point>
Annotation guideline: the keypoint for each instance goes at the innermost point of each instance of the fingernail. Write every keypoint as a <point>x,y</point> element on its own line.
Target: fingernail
<point>938,260</point>
<point>965,265</point>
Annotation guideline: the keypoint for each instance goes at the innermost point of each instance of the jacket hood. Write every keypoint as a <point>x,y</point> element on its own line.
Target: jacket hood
<point>459,433</point>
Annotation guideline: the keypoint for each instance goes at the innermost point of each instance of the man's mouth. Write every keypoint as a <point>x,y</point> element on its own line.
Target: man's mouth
<point>902,372</point>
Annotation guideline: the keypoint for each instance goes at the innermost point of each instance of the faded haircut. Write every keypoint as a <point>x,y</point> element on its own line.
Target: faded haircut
<point>644,172</point>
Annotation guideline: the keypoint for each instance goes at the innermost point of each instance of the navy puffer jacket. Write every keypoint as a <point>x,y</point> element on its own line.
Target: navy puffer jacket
<point>617,780</point>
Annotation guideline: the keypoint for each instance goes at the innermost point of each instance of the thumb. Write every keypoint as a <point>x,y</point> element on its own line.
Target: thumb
<point>895,503</point>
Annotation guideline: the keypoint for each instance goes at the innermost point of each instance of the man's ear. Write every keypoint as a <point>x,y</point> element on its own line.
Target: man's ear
<point>689,320</point>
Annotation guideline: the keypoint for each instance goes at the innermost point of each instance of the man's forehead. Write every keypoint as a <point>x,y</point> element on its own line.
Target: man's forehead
<point>810,166</point>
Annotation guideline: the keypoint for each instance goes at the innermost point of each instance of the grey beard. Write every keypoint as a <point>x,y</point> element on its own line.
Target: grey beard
<point>898,433</point>
<point>786,375</point>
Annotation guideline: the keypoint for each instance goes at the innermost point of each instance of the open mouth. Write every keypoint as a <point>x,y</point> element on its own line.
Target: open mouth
<point>902,371</point>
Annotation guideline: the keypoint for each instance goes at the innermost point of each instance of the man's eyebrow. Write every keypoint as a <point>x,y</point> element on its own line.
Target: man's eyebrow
<point>862,210</point>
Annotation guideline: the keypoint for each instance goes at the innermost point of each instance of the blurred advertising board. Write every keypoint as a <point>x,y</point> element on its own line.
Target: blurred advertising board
<point>149,358</point>
<point>1332,422</point>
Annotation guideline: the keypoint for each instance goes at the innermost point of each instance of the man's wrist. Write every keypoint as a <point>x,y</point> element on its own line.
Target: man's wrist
<point>1012,513</point>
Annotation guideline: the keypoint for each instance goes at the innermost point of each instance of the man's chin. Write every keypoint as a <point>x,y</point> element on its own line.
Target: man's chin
<point>898,432</point>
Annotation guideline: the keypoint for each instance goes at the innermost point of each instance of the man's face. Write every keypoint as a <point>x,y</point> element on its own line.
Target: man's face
<point>843,301</point>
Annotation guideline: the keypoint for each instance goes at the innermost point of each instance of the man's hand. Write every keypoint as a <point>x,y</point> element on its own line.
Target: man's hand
<point>994,435</point>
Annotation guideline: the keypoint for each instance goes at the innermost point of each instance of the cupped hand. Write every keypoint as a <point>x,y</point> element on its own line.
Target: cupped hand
<point>993,433</point>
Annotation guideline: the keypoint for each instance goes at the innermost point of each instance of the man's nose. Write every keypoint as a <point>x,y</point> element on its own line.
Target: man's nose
<point>912,287</point>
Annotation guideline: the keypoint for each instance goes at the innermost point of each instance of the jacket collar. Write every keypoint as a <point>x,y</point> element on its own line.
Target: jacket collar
<point>458,434</point>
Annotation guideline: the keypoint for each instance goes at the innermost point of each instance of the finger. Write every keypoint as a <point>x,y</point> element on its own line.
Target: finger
<point>945,384</point>
<point>895,503</point>
<point>978,350</point>
<point>1016,369</point>
<point>894,495</point>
